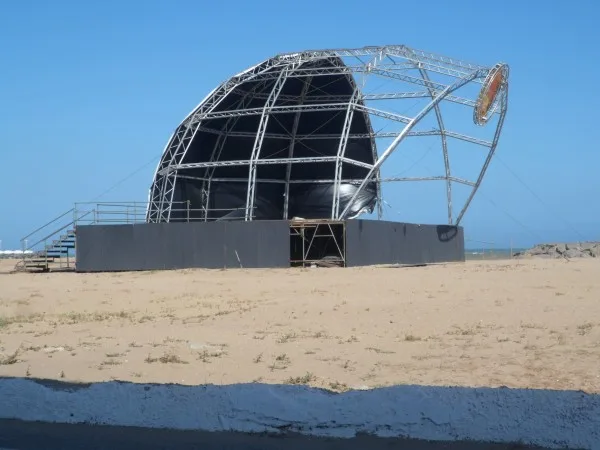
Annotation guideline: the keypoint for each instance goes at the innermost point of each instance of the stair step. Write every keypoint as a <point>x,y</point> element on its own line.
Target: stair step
<point>64,245</point>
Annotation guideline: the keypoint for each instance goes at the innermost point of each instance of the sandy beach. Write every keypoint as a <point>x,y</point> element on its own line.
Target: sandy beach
<point>526,323</point>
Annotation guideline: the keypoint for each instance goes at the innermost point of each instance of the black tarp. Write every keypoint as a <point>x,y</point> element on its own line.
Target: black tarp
<point>228,197</point>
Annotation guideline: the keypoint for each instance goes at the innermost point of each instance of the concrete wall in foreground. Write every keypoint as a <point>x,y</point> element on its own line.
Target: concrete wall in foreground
<point>148,246</point>
<point>371,242</point>
<point>549,419</point>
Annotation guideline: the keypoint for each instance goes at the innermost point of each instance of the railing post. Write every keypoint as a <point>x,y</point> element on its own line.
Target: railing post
<point>188,210</point>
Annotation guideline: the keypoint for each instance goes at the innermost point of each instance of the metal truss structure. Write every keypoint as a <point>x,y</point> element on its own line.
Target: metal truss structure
<point>206,148</point>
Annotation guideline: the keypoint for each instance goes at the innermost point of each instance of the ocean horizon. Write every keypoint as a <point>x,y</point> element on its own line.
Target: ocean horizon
<point>490,253</point>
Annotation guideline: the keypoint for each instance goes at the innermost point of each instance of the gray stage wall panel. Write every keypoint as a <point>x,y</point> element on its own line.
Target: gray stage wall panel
<point>151,246</point>
<point>370,242</point>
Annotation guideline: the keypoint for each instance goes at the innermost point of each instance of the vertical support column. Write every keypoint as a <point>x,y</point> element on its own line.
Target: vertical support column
<point>288,169</point>
<point>438,114</point>
<point>372,64</point>
<point>183,143</point>
<point>260,136</point>
<point>489,156</point>
<point>220,145</point>
<point>335,205</point>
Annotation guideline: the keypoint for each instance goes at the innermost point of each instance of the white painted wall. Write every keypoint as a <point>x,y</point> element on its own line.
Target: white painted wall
<point>555,419</point>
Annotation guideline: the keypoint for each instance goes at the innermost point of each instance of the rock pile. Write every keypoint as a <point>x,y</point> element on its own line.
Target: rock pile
<point>574,250</point>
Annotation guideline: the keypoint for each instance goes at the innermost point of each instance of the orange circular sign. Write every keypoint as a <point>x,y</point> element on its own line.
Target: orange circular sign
<point>488,94</point>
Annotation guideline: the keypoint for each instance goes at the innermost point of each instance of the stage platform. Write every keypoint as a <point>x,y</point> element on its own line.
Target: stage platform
<point>264,244</point>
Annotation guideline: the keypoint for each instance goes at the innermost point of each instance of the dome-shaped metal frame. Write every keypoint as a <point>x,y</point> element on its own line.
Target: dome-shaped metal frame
<point>281,87</point>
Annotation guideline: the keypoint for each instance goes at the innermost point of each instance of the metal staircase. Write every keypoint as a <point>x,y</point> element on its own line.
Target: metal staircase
<point>54,245</point>
<point>57,255</point>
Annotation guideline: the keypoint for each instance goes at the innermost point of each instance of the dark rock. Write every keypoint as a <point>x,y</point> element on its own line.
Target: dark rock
<point>573,253</point>
<point>562,250</point>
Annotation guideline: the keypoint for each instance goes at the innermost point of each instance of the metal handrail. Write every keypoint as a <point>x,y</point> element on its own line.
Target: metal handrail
<point>58,230</point>
<point>132,203</point>
<point>130,212</point>
<point>49,223</point>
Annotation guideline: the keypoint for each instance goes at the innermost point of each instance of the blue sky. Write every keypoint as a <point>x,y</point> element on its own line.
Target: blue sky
<point>91,91</point>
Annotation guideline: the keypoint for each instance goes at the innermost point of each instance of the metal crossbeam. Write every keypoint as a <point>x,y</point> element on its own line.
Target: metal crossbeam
<point>335,98</point>
<point>384,114</point>
<point>375,135</point>
<point>272,110</point>
<point>265,161</point>
<point>355,181</point>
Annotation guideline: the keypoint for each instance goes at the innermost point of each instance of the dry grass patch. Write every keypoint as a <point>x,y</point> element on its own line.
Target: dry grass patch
<point>111,362</point>
<point>281,362</point>
<point>320,335</point>
<point>206,356</point>
<point>304,379</point>
<point>458,331</point>
<point>32,348</point>
<point>585,328</point>
<point>347,365</point>
<point>72,318</point>
<point>412,338</point>
<point>20,319</point>
<point>532,326</point>
<point>166,358</point>
<point>11,358</point>
<point>336,386</point>
<point>287,337</point>
<point>380,351</point>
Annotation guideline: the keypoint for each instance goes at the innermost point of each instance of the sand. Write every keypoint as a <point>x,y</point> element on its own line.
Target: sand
<point>526,323</point>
